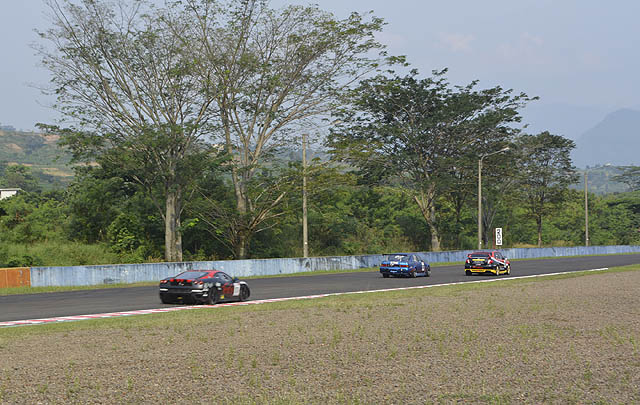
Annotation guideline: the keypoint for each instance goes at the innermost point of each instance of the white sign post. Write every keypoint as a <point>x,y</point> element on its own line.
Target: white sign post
<point>498,236</point>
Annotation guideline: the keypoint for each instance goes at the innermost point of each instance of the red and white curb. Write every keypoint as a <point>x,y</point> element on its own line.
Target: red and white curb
<point>256,302</point>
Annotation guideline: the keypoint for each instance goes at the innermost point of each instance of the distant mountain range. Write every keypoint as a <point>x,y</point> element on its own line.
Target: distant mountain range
<point>613,141</point>
<point>570,121</point>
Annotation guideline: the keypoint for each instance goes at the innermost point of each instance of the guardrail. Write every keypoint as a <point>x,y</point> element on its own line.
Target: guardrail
<point>133,273</point>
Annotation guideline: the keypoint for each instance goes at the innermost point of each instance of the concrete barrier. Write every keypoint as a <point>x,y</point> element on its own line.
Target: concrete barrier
<point>133,273</point>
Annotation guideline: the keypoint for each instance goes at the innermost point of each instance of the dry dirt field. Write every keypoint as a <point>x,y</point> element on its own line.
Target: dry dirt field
<point>570,340</point>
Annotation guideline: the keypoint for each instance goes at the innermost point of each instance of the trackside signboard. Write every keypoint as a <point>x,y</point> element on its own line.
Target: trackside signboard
<point>498,236</point>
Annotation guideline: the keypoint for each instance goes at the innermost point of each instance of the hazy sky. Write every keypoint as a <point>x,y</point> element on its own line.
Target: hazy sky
<point>578,56</point>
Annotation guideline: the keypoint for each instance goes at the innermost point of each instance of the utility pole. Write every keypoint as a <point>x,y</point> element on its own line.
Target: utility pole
<point>586,211</point>
<point>480,192</point>
<point>480,202</point>
<point>305,229</point>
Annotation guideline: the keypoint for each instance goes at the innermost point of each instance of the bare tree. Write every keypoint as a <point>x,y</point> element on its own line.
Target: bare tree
<point>124,81</point>
<point>274,71</point>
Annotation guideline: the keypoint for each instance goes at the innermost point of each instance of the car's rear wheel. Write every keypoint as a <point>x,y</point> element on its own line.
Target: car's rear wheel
<point>244,293</point>
<point>214,296</point>
<point>385,275</point>
<point>165,300</point>
<point>429,271</point>
<point>412,274</point>
<point>508,269</point>
<point>467,272</point>
<point>497,271</point>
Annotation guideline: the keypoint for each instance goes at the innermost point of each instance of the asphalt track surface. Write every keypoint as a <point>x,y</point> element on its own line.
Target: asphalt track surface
<point>48,305</point>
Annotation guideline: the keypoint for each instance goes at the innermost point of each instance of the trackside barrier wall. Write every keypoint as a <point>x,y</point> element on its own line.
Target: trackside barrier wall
<point>133,273</point>
<point>15,277</point>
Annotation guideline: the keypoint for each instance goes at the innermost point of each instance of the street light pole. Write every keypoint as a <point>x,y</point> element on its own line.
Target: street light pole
<point>480,202</point>
<point>480,192</point>
<point>305,229</point>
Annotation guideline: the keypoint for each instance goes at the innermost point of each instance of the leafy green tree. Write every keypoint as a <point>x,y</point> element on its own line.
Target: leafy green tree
<point>545,172</point>
<point>630,176</point>
<point>216,208</point>
<point>107,204</point>
<point>125,233</point>
<point>19,176</point>
<point>126,82</point>
<point>357,219</point>
<point>94,199</point>
<point>27,218</point>
<point>423,134</point>
<point>615,219</point>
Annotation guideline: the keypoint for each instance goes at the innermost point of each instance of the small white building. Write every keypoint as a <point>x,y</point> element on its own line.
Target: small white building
<point>8,192</point>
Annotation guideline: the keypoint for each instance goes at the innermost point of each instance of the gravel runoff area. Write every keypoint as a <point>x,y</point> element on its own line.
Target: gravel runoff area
<point>568,340</point>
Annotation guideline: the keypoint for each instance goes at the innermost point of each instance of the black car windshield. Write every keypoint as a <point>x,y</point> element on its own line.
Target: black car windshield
<point>222,277</point>
<point>397,258</point>
<point>480,254</point>
<point>190,275</point>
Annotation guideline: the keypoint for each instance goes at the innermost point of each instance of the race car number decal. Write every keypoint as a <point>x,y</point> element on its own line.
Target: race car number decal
<point>236,289</point>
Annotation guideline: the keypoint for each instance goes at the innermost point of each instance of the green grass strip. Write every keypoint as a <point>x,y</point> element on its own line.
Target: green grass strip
<point>371,299</point>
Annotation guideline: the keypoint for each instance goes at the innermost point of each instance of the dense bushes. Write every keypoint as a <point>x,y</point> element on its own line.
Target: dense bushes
<point>36,229</point>
<point>121,226</point>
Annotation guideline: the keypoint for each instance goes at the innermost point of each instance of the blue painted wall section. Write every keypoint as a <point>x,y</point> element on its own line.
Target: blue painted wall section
<point>133,273</point>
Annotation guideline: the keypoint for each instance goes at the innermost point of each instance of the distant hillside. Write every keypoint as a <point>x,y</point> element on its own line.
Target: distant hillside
<point>599,180</point>
<point>615,140</point>
<point>37,151</point>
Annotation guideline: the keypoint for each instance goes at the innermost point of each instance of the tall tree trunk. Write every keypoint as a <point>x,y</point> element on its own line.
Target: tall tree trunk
<point>241,245</point>
<point>435,235</point>
<point>428,210</point>
<point>241,202</point>
<point>239,238</point>
<point>458,204</point>
<point>489,210</point>
<point>539,224</point>
<point>240,241</point>
<point>172,235</point>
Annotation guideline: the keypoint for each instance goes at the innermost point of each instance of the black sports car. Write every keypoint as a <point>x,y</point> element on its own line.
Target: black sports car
<point>202,286</point>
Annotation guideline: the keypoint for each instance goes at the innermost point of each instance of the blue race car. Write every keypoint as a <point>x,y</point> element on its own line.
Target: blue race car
<point>404,264</point>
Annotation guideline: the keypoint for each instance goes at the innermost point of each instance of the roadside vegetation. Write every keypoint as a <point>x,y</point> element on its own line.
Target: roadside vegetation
<point>547,340</point>
<point>49,229</point>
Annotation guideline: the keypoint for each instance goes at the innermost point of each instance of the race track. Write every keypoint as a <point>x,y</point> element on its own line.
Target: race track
<point>49,305</point>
